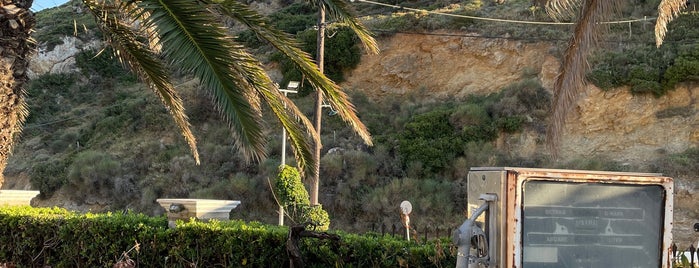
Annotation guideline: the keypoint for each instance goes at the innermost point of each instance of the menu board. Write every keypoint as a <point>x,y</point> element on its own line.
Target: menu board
<point>568,224</point>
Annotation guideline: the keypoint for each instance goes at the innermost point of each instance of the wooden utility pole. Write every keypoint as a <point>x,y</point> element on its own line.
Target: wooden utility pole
<point>320,50</point>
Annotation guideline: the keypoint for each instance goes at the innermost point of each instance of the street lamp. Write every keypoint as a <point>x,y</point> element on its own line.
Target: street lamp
<point>290,88</point>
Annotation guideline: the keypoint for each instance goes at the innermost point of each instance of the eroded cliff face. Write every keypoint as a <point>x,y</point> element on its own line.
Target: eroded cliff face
<point>61,58</point>
<point>443,67</point>
<point>634,129</point>
<point>614,124</point>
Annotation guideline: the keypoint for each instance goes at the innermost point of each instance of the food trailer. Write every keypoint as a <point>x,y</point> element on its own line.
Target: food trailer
<point>540,218</point>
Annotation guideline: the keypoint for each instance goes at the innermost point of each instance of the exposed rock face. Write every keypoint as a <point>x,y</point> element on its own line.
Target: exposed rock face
<point>634,129</point>
<point>61,59</point>
<point>443,67</point>
<point>615,124</point>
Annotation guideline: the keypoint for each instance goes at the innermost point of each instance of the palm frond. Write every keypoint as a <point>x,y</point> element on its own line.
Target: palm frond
<point>342,12</point>
<point>667,11</point>
<point>198,43</point>
<point>289,47</point>
<point>571,79</point>
<point>288,113</point>
<point>561,10</point>
<point>142,61</point>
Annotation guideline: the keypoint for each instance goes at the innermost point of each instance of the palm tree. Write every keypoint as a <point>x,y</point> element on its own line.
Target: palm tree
<point>16,24</point>
<point>571,79</point>
<point>149,35</point>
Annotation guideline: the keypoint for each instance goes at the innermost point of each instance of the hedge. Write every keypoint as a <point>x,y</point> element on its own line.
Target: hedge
<point>54,237</point>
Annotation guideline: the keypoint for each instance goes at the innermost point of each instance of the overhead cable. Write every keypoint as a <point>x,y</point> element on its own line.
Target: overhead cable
<point>494,19</point>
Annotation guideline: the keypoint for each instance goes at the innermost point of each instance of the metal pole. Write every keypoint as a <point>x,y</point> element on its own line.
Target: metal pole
<point>289,89</point>
<point>284,143</point>
<point>407,227</point>
<point>320,50</point>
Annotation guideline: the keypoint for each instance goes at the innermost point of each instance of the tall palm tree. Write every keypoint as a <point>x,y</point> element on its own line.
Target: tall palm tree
<point>341,12</point>
<point>149,35</point>
<point>16,24</point>
<point>571,78</point>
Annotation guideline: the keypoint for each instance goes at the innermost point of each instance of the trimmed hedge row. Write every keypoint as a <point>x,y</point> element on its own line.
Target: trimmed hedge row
<point>39,237</point>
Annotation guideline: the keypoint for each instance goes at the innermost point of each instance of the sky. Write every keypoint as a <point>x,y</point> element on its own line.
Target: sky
<point>43,4</point>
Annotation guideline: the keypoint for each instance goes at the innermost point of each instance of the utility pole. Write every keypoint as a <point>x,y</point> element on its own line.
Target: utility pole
<point>320,50</point>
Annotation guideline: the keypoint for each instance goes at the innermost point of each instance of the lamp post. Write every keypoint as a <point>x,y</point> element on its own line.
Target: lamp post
<point>290,88</point>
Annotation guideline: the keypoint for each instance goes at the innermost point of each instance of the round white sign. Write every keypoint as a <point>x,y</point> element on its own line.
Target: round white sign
<point>406,207</point>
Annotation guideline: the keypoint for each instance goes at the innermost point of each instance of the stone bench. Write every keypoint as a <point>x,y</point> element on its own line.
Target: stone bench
<point>16,197</point>
<point>202,209</point>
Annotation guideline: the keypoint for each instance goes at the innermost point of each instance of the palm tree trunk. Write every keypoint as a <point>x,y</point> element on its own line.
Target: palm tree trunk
<point>320,49</point>
<point>16,22</point>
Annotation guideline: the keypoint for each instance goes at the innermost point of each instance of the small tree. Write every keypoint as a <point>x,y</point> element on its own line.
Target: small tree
<point>294,198</point>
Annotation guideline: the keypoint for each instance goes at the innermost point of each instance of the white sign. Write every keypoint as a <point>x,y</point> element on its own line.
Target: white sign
<point>406,207</point>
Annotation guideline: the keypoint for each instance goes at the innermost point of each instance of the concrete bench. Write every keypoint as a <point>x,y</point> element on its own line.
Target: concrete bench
<point>202,209</point>
<point>16,197</point>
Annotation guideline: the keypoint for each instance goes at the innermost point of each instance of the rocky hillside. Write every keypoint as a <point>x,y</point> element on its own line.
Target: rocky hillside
<point>614,124</point>
<point>634,130</point>
<point>412,69</point>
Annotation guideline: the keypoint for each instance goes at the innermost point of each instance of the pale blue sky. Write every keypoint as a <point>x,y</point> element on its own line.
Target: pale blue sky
<point>43,4</point>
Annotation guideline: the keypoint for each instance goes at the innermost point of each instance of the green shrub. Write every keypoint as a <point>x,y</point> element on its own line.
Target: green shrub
<point>362,168</point>
<point>102,64</point>
<point>40,237</point>
<point>640,86</point>
<point>429,197</point>
<point>685,163</point>
<point>295,18</point>
<point>331,166</point>
<point>684,68</point>
<point>94,173</point>
<point>47,95</point>
<point>289,188</point>
<point>650,70</point>
<point>317,216</point>
<point>49,176</point>
<point>431,140</point>
<point>510,124</point>
<point>294,197</point>
<point>604,79</point>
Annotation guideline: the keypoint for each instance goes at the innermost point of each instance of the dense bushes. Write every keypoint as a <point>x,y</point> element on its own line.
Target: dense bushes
<point>47,96</point>
<point>431,141</point>
<point>41,237</point>
<point>650,70</point>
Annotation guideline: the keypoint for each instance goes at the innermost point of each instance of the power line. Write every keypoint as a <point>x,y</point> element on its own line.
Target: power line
<point>51,122</point>
<point>494,19</point>
<point>533,39</point>
<point>470,35</point>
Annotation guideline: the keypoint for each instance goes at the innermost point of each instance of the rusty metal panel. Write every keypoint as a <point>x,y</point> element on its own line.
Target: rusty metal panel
<point>507,183</point>
<point>490,182</point>
<point>514,209</point>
